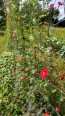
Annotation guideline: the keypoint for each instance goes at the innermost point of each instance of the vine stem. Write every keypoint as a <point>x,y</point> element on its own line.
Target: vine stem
<point>2,89</point>
<point>56,88</point>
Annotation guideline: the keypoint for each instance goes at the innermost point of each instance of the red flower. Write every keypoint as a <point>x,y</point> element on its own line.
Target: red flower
<point>57,109</point>
<point>61,107</point>
<point>54,51</point>
<point>60,3</point>
<point>9,100</point>
<point>44,73</point>
<point>51,6</point>
<point>14,35</point>
<point>46,114</point>
<point>62,76</point>
<point>0,67</point>
<point>22,59</point>
<point>24,78</point>
<point>45,22</point>
<point>18,59</point>
<point>14,78</point>
<point>17,97</point>
<point>13,70</point>
<point>26,69</point>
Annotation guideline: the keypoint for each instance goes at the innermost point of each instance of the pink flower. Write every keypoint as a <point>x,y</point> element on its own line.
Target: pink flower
<point>51,6</point>
<point>46,114</point>
<point>60,3</point>
<point>44,73</point>
<point>57,109</point>
<point>18,59</point>
<point>62,76</point>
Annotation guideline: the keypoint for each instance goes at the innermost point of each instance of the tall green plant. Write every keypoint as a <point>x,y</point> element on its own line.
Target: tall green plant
<point>32,68</point>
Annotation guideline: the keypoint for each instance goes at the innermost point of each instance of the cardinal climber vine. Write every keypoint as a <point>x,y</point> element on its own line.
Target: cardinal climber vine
<point>32,72</point>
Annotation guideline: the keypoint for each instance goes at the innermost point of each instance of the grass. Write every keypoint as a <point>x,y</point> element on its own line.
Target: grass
<point>57,32</point>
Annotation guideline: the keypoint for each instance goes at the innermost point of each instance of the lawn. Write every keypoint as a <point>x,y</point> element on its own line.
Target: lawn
<point>58,32</point>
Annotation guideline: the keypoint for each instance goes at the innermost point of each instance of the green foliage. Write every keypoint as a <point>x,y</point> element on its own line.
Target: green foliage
<point>15,97</point>
<point>4,40</point>
<point>31,48</point>
<point>23,92</point>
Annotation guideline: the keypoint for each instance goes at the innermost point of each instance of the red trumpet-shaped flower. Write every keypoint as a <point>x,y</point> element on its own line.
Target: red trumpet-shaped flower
<point>60,3</point>
<point>54,51</point>
<point>62,76</point>
<point>18,59</point>
<point>26,69</point>
<point>51,6</point>
<point>14,35</point>
<point>22,59</point>
<point>0,67</point>
<point>44,73</point>
<point>13,70</point>
<point>24,78</point>
<point>45,22</point>
<point>46,114</point>
<point>57,109</point>
<point>9,100</point>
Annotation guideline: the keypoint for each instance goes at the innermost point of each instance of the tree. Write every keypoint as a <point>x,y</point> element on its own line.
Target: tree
<point>2,15</point>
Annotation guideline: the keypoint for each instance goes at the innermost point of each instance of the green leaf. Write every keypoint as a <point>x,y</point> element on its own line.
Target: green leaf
<point>53,91</point>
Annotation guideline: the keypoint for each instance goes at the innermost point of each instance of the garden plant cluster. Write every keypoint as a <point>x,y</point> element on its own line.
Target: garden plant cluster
<point>32,71</point>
